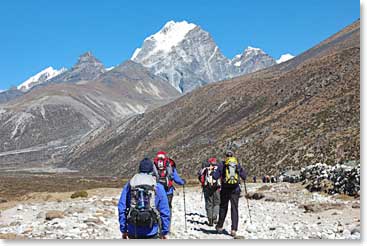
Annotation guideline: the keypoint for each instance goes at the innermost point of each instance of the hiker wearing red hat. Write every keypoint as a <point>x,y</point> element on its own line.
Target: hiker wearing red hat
<point>211,189</point>
<point>165,169</point>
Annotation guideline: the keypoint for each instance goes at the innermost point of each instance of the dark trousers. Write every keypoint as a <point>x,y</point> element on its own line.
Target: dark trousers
<point>227,195</point>
<point>143,237</point>
<point>170,197</point>
<point>212,201</point>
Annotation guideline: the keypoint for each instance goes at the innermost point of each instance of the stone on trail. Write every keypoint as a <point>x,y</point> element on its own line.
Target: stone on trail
<point>53,214</point>
<point>251,228</point>
<point>255,196</point>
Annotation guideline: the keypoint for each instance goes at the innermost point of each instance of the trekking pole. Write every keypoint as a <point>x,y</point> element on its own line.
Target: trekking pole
<point>202,194</point>
<point>184,206</point>
<point>248,204</point>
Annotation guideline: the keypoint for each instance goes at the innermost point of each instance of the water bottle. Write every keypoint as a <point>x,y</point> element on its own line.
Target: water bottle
<point>141,203</point>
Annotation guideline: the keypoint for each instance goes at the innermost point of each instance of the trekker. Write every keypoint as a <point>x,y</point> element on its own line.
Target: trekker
<point>211,190</point>
<point>229,171</point>
<point>143,206</point>
<point>165,169</point>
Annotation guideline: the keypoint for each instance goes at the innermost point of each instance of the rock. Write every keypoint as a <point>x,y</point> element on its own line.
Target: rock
<point>255,196</point>
<point>346,233</point>
<point>11,236</point>
<point>27,230</point>
<point>356,205</point>
<point>15,223</point>
<point>356,230</point>
<point>270,199</point>
<point>73,209</point>
<point>53,214</point>
<point>357,235</point>
<point>272,228</point>
<point>264,188</point>
<point>343,179</point>
<point>77,194</point>
<point>3,200</point>
<point>20,207</point>
<point>93,220</point>
<point>47,198</point>
<point>41,215</point>
<point>251,228</point>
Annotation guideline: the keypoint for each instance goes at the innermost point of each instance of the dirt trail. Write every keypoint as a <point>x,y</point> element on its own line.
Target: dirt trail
<point>281,214</point>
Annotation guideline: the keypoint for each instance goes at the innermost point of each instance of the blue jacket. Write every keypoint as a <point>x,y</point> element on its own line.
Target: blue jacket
<point>161,203</point>
<point>220,173</point>
<point>177,179</point>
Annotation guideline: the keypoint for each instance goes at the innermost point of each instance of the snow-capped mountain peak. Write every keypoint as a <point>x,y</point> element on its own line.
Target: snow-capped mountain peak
<point>253,50</point>
<point>187,56</point>
<point>169,36</point>
<point>285,57</point>
<point>44,75</point>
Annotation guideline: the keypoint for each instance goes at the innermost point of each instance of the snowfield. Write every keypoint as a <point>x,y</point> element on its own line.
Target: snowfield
<point>286,212</point>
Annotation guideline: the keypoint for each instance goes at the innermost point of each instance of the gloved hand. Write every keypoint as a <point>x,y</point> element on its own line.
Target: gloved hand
<point>125,235</point>
<point>184,181</point>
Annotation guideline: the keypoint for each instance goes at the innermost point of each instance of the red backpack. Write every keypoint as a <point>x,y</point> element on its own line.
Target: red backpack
<point>164,171</point>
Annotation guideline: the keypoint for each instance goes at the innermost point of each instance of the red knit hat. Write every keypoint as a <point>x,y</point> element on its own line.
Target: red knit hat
<point>212,160</point>
<point>161,154</point>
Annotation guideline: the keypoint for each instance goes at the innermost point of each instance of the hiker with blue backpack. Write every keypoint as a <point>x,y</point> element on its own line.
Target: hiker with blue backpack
<point>143,207</point>
<point>229,172</point>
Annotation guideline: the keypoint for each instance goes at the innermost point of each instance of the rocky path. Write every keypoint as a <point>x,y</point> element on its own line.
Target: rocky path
<point>285,212</point>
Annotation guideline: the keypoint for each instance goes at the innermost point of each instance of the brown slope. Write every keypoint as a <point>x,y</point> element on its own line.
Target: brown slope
<point>41,125</point>
<point>293,114</point>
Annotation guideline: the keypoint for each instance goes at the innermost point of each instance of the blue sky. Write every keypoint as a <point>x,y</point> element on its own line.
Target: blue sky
<point>39,33</point>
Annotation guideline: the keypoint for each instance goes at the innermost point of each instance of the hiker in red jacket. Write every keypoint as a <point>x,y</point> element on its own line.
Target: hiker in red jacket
<point>165,169</point>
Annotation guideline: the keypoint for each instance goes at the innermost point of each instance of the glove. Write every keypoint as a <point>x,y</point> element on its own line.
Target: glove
<point>163,237</point>
<point>125,236</point>
<point>184,181</point>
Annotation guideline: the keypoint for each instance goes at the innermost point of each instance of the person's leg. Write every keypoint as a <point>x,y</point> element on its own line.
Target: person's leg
<point>223,207</point>
<point>208,204</point>
<point>234,210</point>
<point>216,196</point>
<point>170,198</point>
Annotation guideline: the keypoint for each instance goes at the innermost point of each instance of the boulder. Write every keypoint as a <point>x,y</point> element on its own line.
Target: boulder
<point>255,196</point>
<point>77,194</point>
<point>53,214</point>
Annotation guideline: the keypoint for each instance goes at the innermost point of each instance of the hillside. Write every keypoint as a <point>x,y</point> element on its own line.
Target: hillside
<point>43,124</point>
<point>296,113</point>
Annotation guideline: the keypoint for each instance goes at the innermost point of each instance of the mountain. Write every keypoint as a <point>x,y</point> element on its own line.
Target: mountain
<point>42,125</point>
<point>87,68</point>
<point>188,57</point>
<point>284,58</point>
<point>251,60</point>
<point>46,74</point>
<point>10,94</point>
<point>290,115</point>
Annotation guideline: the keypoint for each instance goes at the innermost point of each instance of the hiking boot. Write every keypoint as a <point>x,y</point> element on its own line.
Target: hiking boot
<point>210,222</point>
<point>233,233</point>
<point>215,220</point>
<point>219,229</point>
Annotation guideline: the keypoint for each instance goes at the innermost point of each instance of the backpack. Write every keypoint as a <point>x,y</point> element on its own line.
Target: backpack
<point>164,171</point>
<point>142,211</point>
<point>207,179</point>
<point>231,176</point>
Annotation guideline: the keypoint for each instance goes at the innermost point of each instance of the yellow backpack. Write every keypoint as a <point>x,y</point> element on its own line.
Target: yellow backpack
<point>231,172</point>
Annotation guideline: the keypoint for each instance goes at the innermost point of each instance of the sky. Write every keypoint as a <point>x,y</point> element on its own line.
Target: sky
<point>39,33</point>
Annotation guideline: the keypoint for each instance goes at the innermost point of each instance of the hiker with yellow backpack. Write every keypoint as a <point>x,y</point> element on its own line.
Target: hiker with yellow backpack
<point>230,172</point>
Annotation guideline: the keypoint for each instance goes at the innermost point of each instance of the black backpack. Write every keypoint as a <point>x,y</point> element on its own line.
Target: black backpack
<point>142,211</point>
